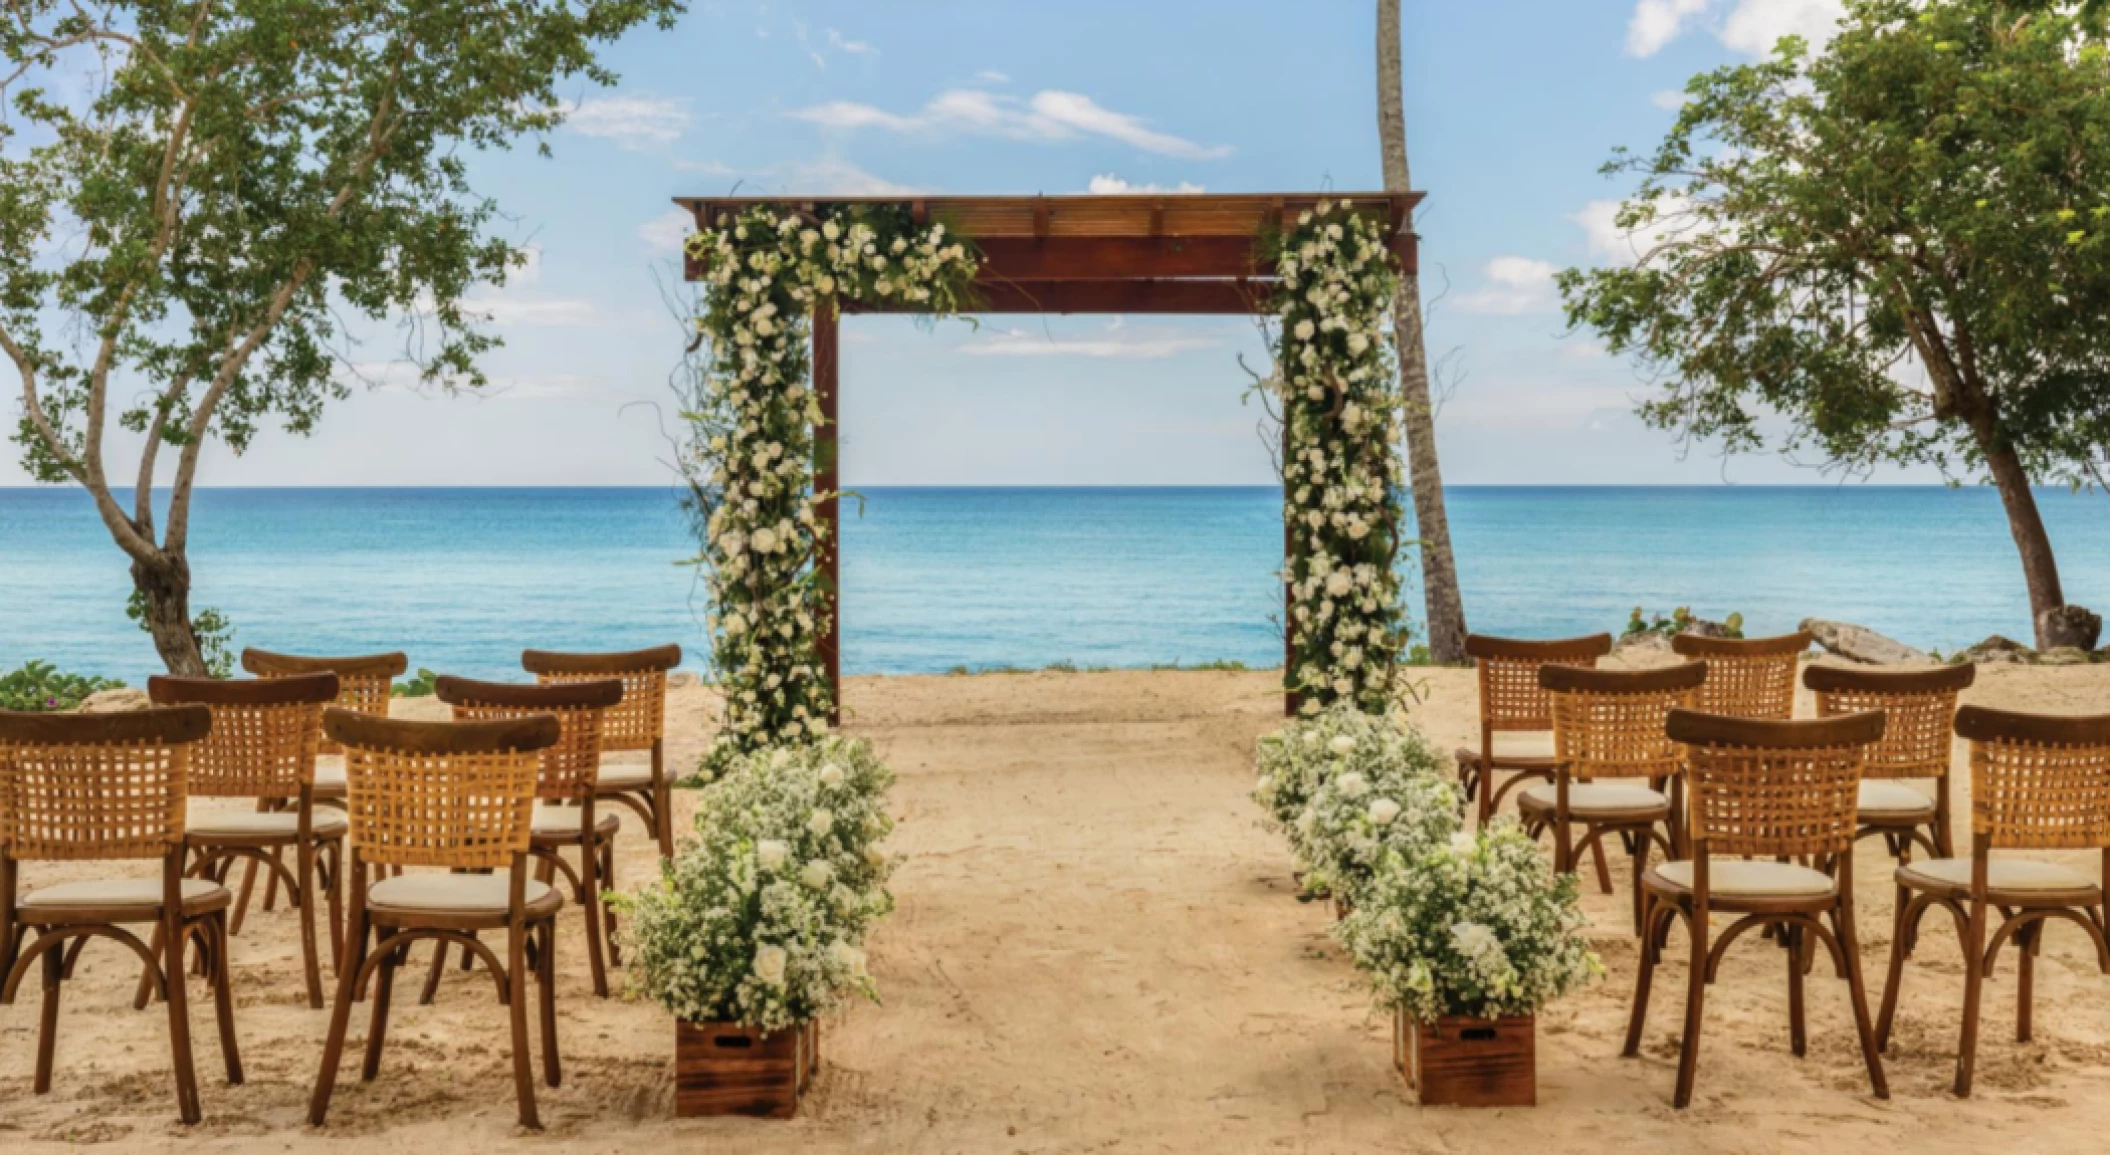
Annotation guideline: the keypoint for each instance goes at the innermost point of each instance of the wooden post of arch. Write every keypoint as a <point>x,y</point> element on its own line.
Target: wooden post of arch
<point>827,479</point>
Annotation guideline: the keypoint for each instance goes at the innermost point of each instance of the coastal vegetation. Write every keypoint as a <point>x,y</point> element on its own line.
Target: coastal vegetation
<point>182,248</point>
<point>39,687</point>
<point>1893,250</point>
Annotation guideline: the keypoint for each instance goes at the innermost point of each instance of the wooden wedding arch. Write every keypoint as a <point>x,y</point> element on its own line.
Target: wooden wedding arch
<point>1187,254</point>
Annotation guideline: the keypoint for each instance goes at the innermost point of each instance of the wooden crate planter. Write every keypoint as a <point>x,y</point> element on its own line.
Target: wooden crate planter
<point>1466,1062</point>
<point>727,1069</point>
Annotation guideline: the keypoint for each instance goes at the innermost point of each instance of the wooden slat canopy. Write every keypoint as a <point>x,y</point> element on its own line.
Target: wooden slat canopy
<point>1173,253</point>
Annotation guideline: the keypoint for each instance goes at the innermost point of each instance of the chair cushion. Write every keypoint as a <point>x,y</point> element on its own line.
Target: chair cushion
<point>222,823</point>
<point>564,821</point>
<point>1509,746</point>
<point>469,894</point>
<point>1596,797</point>
<point>1888,797</point>
<point>137,897</point>
<point>2015,874</point>
<point>330,781</point>
<point>1750,879</point>
<point>624,776</point>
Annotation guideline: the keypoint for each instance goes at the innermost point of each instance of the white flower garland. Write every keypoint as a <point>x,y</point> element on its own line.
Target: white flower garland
<point>1341,407</point>
<point>750,462</point>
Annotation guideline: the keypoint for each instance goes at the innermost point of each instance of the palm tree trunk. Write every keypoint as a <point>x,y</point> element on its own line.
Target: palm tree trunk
<point>1439,568</point>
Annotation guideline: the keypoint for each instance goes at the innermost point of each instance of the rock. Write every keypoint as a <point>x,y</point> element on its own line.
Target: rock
<point>2064,656</point>
<point>1861,644</point>
<point>1706,629</point>
<point>2072,626</point>
<point>1644,643</point>
<point>1997,650</point>
<point>115,701</point>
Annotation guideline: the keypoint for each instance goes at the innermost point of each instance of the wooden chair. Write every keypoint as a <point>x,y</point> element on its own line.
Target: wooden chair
<point>638,723</point>
<point>364,685</point>
<point>262,746</point>
<point>1609,724</point>
<point>2038,782</point>
<point>1764,789</point>
<point>1516,713</point>
<point>91,787</point>
<point>459,796</point>
<point>1921,708</point>
<point>565,815</point>
<point>1746,677</point>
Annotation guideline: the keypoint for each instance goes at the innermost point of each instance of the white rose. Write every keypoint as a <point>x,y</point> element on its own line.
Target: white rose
<point>735,625</point>
<point>1383,811</point>
<point>875,857</point>
<point>822,822</point>
<point>848,957</point>
<point>1338,583</point>
<point>770,962</point>
<point>771,853</point>
<point>817,875</point>
<point>1342,744</point>
<point>765,540</point>
<point>1357,343</point>
<point>1305,329</point>
<point>1352,785</point>
<point>1464,842</point>
<point>830,231</point>
<point>831,775</point>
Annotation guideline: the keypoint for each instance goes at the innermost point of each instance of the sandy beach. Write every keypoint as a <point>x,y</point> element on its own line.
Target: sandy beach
<point>1097,948</point>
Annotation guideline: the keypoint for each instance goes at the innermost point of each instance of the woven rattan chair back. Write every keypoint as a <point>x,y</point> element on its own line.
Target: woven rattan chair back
<point>451,794</point>
<point>363,683</point>
<point>1746,677</point>
<point>1920,706</point>
<point>1511,697</point>
<point>1610,723</point>
<point>83,787</point>
<point>2038,781</point>
<point>570,768</point>
<point>640,719</point>
<point>264,732</point>
<point>1770,788</point>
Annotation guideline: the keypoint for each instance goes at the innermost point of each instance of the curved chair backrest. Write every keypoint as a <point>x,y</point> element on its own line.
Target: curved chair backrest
<point>1510,695</point>
<point>81,787</point>
<point>1747,677</point>
<point>640,721</point>
<point>2038,781</point>
<point>1920,706</point>
<point>572,766</point>
<point>264,732</point>
<point>1610,723</point>
<point>363,683</point>
<point>1764,787</point>
<point>452,794</point>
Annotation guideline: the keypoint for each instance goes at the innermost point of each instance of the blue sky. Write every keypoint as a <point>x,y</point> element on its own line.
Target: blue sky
<point>1511,107</point>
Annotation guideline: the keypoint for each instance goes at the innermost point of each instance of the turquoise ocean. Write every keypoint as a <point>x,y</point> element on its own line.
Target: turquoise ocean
<point>935,579</point>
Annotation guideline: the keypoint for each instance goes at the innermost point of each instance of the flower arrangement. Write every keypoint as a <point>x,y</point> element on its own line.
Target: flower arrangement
<point>1346,787</point>
<point>763,920</point>
<point>1476,927</point>
<point>1341,408</point>
<point>752,412</point>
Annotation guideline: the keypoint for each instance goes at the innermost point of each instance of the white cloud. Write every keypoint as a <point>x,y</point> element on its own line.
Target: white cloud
<point>1115,341</point>
<point>853,47</point>
<point>1050,115</point>
<point>560,312</point>
<point>1751,27</point>
<point>824,176</point>
<point>1515,285</point>
<point>1607,241</point>
<point>1107,184</point>
<point>1669,99</point>
<point>666,232</point>
<point>1656,23</point>
<point>992,76</point>
<point>634,122</point>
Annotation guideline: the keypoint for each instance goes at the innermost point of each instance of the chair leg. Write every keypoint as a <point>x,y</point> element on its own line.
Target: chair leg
<point>311,964</point>
<point>596,926</point>
<point>241,902</point>
<point>1641,852</point>
<point>377,1025</point>
<point>609,921</point>
<point>546,996</point>
<point>332,883</point>
<point>340,1019</point>
<point>2026,942</point>
<point>1695,1005</point>
<point>517,1007</point>
<point>1899,934</point>
<point>662,800</point>
<point>432,976</point>
<point>1857,988</point>
<point>1973,992</point>
<point>1798,1035</point>
<point>48,1019</point>
<point>271,883</point>
<point>147,973</point>
<point>1604,869</point>
<point>223,995</point>
<point>179,1025</point>
<point>1651,911</point>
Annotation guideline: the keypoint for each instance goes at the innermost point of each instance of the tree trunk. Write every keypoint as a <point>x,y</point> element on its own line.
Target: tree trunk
<point>1439,569</point>
<point>2040,569</point>
<point>164,591</point>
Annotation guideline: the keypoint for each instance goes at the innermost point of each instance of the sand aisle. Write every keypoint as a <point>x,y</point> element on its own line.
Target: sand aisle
<point>1096,949</point>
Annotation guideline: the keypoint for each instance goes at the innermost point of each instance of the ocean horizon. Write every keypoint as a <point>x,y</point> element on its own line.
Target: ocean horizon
<point>940,578</point>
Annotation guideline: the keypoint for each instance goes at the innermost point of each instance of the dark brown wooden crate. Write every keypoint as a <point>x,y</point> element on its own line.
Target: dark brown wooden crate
<point>1466,1062</point>
<point>726,1069</point>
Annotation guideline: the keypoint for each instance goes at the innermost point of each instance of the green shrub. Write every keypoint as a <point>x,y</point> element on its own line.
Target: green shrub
<point>1678,622</point>
<point>417,687</point>
<point>39,688</point>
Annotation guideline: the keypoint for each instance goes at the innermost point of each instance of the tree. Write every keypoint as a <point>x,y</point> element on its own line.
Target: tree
<point>1896,250</point>
<point>1439,567</point>
<point>180,246</point>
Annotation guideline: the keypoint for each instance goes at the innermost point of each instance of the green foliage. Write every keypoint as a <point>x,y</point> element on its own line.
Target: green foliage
<point>1901,244</point>
<point>419,686</point>
<point>213,629</point>
<point>37,687</point>
<point>1678,622</point>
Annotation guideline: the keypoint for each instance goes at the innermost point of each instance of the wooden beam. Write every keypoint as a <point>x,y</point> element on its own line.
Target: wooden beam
<point>1174,297</point>
<point>1118,258</point>
<point>826,480</point>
